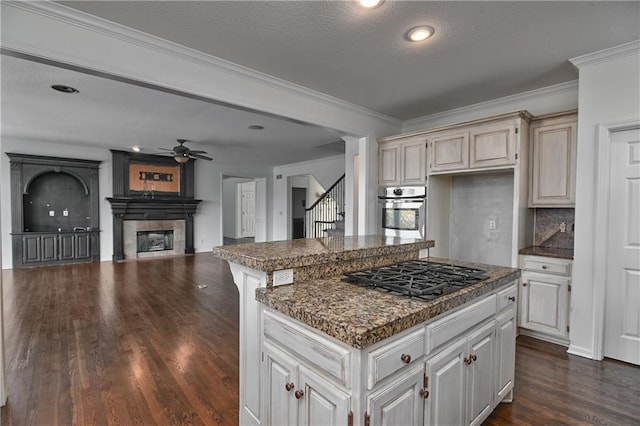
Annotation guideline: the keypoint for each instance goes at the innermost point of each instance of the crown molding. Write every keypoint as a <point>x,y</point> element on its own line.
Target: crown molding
<point>120,32</point>
<point>606,55</point>
<point>507,103</point>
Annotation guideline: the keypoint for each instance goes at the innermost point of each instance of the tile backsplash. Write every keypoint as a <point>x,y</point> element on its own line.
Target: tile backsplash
<point>548,224</point>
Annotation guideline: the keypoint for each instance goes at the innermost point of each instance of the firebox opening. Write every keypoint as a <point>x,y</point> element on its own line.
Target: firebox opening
<point>154,241</point>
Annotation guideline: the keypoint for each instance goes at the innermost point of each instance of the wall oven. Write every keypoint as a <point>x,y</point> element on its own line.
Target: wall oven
<point>404,211</point>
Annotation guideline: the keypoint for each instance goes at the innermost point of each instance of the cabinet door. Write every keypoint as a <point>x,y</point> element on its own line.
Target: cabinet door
<point>322,402</point>
<point>281,385</point>
<point>83,246</point>
<point>389,164</point>
<point>448,151</point>
<point>480,364</point>
<point>505,356</point>
<point>49,248</point>
<point>446,379</point>
<point>544,303</point>
<point>67,246</point>
<point>553,165</point>
<point>400,402</point>
<point>492,146</point>
<point>413,163</point>
<point>31,248</point>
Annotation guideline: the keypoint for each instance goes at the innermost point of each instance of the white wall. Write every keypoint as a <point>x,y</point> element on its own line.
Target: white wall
<point>326,171</point>
<point>609,93</point>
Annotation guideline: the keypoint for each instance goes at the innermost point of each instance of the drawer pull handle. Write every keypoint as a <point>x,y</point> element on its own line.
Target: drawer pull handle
<point>424,393</point>
<point>544,266</point>
<point>289,386</point>
<point>405,358</point>
<point>299,394</point>
<point>512,298</point>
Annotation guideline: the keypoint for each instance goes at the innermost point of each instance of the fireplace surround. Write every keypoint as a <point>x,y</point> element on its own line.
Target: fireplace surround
<point>137,205</point>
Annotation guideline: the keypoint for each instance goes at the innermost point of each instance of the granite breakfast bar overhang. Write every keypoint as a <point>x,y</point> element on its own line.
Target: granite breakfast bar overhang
<point>344,316</point>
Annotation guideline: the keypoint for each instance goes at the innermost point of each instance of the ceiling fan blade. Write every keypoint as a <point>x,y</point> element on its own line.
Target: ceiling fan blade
<point>197,152</point>
<point>166,149</point>
<point>200,156</point>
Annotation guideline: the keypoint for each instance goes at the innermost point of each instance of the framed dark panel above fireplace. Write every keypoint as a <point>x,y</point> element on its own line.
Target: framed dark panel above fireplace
<point>146,175</point>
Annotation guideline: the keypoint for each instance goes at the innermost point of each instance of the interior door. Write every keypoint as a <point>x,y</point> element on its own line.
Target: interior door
<point>248,209</point>
<point>622,300</point>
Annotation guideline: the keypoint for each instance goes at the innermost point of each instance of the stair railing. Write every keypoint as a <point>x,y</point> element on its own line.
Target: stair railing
<point>328,210</point>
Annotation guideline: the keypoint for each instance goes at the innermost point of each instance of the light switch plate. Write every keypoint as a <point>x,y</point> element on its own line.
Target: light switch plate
<point>283,276</point>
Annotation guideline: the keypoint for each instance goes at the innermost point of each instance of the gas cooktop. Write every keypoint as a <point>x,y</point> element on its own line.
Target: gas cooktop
<point>417,278</point>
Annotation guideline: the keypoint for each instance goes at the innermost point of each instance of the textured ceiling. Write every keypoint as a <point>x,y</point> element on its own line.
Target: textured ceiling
<point>117,115</point>
<point>480,50</point>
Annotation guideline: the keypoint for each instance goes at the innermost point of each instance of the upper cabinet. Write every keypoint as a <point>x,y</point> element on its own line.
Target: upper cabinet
<point>553,160</point>
<point>469,147</point>
<point>402,162</point>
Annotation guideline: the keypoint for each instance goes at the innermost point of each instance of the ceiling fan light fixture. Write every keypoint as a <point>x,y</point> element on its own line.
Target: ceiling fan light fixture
<point>420,33</point>
<point>256,127</point>
<point>183,158</point>
<point>135,149</point>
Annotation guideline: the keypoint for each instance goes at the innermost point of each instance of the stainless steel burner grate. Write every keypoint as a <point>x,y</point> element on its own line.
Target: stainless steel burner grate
<point>417,278</point>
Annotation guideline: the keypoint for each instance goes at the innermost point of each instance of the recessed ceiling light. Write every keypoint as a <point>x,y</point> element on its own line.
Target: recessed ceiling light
<point>256,127</point>
<point>420,33</point>
<point>65,89</point>
<point>135,148</point>
<point>370,4</point>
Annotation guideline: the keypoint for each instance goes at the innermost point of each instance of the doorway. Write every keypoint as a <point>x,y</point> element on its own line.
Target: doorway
<point>239,212</point>
<point>298,205</point>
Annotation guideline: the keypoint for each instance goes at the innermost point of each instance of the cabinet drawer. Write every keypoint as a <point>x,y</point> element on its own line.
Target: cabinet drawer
<point>319,353</point>
<point>507,298</point>
<point>442,330</point>
<point>391,357</point>
<point>547,265</point>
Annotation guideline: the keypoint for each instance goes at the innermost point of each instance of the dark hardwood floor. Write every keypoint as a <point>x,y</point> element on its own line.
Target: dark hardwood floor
<point>138,343</point>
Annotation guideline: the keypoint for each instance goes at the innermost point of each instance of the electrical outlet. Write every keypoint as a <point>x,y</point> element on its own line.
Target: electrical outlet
<point>65,212</point>
<point>283,276</point>
<point>563,227</point>
<point>492,225</point>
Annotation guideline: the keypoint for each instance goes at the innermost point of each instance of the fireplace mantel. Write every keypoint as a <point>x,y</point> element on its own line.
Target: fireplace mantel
<point>128,208</point>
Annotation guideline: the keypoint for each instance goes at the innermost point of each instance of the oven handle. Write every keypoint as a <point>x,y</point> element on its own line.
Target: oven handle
<point>401,200</point>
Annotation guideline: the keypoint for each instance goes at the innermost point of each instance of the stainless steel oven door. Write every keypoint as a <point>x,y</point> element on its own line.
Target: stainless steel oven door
<point>404,218</point>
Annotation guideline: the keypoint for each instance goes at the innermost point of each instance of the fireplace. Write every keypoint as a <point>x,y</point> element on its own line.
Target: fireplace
<point>140,204</point>
<point>154,241</point>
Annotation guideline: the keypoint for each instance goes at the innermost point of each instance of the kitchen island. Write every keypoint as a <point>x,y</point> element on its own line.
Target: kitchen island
<point>322,351</point>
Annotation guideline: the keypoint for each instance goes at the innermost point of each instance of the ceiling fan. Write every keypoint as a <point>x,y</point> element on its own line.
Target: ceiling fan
<point>182,153</point>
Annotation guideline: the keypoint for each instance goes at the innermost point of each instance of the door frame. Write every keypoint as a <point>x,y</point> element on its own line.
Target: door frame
<point>601,213</point>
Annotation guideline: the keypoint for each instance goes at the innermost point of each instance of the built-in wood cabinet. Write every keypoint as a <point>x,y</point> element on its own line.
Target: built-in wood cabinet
<point>481,146</point>
<point>452,370</point>
<point>47,248</point>
<point>402,162</point>
<point>553,160</point>
<point>545,289</point>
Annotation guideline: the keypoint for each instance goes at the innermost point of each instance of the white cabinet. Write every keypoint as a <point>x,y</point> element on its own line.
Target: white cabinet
<point>401,402</point>
<point>482,146</point>
<point>402,162</point>
<point>505,355</point>
<point>295,395</point>
<point>553,161</point>
<point>544,298</point>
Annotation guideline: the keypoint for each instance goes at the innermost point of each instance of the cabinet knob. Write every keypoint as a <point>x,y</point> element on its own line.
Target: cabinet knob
<point>544,266</point>
<point>299,394</point>
<point>468,360</point>
<point>289,386</point>
<point>524,284</point>
<point>405,358</point>
<point>424,393</point>
<point>474,358</point>
<point>512,298</point>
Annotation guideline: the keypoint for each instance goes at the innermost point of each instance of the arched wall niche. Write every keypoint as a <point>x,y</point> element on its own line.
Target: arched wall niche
<point>54,210</point>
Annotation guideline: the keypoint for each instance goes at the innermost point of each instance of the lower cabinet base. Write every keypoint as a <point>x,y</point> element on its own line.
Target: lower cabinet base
<point>453,369</point>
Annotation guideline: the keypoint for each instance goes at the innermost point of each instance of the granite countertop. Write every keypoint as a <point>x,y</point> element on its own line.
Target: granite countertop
<point>277,255</point>
<point>361,317</point>
<point>562,253</point>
